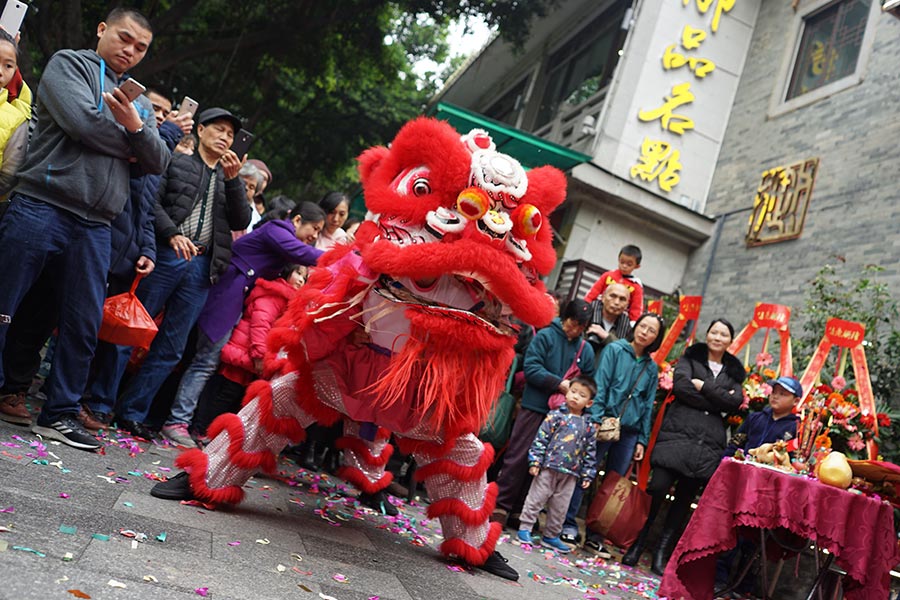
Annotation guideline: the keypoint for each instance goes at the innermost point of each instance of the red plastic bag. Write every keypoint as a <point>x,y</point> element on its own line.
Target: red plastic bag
<point>125,320</point>
<point>619,510</point>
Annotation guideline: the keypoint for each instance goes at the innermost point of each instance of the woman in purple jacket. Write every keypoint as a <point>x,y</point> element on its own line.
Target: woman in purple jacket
<point>261,253</point>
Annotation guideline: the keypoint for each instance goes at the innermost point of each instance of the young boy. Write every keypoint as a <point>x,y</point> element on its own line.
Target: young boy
<point>773,423</point>
<point>629,262</point>
<point>564,453</point>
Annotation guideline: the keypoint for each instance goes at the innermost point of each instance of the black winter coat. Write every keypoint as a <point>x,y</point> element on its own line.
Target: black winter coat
<point>182,185</point>
<point>692,437</point>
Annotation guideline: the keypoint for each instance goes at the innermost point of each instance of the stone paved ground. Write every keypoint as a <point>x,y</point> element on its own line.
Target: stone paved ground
<point>62,511</point>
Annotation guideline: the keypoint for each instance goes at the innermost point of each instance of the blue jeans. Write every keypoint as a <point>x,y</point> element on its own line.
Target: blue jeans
<point>205,362</point>
<point>35,236</point>
<point>618,457</point>
<point>181,286</point>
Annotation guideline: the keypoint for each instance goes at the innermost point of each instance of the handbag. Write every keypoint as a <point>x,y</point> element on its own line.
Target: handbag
<point>558,399</point>
<point>125,320</point>
<point>499,424</point>
<point>619,509</point>
<point>610,427</point>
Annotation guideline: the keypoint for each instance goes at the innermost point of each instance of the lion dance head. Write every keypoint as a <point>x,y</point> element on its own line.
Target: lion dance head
<point>456,237</point>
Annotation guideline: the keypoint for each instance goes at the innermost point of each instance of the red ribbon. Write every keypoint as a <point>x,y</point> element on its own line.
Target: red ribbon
<point>769,316</point>
<point>688,310</point>
<point>849,335</point>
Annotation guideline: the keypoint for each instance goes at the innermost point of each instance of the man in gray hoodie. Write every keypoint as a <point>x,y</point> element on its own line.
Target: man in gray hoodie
<point>72,185</point>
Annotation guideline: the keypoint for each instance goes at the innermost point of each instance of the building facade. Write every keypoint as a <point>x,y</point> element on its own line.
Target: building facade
<point>740,143</point>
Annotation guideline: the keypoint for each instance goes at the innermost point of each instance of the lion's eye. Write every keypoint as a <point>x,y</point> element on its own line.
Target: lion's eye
<point>421,187</point>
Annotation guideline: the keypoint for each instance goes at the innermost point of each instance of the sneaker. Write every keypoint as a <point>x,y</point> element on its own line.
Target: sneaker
<point>379,503</point>
<point>178,434</point>
<point>174,488</point>
<point>556,544</point>
<point>524,537</point>
<point>69,431</point>
<point>13,410</point>
<point>597,549</point>
<point>569,538</point>
<point>496,565</point>
<point>92,421</point>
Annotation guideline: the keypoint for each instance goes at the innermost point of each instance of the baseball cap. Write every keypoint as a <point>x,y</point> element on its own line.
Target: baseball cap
<point>791,384</point>
<point>214,114</point>
<point>579,310</point>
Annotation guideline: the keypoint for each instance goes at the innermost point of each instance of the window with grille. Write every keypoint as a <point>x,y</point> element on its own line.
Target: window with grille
<point>830,45</point>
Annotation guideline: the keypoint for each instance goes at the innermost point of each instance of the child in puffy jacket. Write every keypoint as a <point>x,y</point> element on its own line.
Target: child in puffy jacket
<point>242,356</point>
<point>15,112</point>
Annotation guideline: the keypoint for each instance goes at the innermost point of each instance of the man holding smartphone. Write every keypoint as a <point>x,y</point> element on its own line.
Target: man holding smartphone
<point>201,200</point>
<point>73,184</point>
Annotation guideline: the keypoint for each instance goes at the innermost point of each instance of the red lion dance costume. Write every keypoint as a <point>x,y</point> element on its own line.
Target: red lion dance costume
<point>406,331</point>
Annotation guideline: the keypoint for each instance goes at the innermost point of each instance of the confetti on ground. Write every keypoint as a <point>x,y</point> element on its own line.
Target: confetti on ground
<point>101,537</point>
<point>31,550</point>
<point>304,588</point>
<point>280,568</point>
<point>67,557</point>
<point>150,579</point>
<point>326,597</point>
<point>203,591</point>
<point>161,537</point>
<point>8,509</point>
<point>3,545</point>
<point>339,578</point>
<point>69,529</point>
<point>62,579</point>
<point>297,557</point>
<point>78,594</point>
<point>64,496</point>
<point>234,543</point>
<point>128,505</point>
<point>116,584</point>
<point>263,541</point>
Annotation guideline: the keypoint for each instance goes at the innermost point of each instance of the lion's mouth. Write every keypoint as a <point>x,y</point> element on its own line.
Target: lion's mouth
<point>456,296</point>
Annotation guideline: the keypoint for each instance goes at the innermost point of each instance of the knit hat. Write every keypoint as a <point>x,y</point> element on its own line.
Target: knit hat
<point>262,167</point>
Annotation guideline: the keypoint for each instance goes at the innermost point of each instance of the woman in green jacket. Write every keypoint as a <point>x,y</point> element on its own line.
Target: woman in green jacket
<point>626,370</point>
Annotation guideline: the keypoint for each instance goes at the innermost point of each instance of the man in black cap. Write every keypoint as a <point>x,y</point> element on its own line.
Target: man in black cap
<point>200,201</point>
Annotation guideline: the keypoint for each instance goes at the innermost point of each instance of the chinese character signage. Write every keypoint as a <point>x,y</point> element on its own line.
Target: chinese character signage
<point>659,159</point>
<point>781,202</point>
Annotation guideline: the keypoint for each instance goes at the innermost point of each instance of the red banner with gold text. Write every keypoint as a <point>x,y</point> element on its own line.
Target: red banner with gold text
<point>848,335</point>
<point>688,310</point>
<point>769,316</point>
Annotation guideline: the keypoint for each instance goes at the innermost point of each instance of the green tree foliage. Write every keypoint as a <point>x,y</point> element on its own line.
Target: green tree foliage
<point>853,295</point>
<point>316,81</point>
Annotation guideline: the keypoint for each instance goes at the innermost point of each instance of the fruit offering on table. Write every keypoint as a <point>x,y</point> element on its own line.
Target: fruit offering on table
<point>834,470</point>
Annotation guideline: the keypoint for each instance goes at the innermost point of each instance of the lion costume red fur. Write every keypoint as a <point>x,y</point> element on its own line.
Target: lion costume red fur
<point>407,330</point>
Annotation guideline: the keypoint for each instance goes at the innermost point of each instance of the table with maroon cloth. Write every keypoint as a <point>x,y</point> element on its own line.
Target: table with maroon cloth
<point>858,530</point>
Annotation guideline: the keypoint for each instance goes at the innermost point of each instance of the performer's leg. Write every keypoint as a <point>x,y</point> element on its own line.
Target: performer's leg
<point>461,498</point>
<point>365,459</point>
<point>246,442</point>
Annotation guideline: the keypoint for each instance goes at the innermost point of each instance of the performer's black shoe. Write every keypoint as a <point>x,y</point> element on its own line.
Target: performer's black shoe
<point>176,488</point>
<point>379,503</point>
<point>497,565</point>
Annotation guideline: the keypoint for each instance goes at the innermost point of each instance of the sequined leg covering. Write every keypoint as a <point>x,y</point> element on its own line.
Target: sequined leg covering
<point>460,495</point>
<point>364,460</point>
<point>246,442</point>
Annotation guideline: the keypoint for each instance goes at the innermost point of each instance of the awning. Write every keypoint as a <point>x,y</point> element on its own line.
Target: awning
<point>528,149</point>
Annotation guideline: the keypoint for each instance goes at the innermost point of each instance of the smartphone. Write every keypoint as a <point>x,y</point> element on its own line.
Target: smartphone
<point>12,17</point>
<point>188,105</point>
<point>132,89</point>
<point>241,143</point>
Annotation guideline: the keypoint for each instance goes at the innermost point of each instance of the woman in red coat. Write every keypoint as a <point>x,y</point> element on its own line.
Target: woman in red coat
<point>242,356</point>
